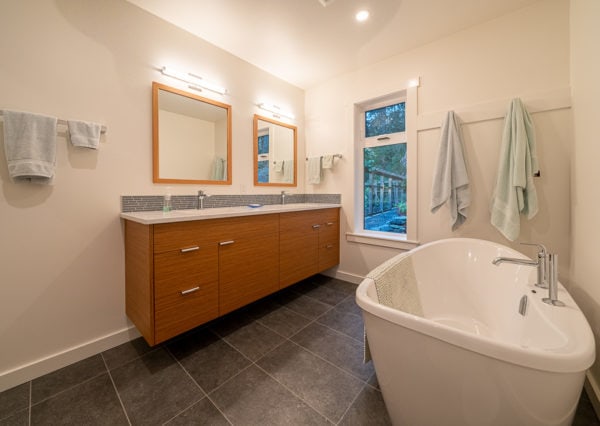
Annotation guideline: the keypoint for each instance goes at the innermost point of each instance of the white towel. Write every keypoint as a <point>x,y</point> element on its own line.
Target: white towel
<point>314,170</point>
<point>515,192</point>
<point>30,146</point>
<point>278,166</point>
<point>288,171</point>
<point>219,171</point>
<point>451,180</point>
<point>84,134</point>
<point>327,162</point>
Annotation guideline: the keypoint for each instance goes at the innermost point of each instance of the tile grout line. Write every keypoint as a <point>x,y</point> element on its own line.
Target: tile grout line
<point>115,388</point>
<point>295,394</point>
<point>30,398</point>
<point>206,395</point>
<point>67,389</point>
<point>352,403</point>
<point>288,339</point>
<point>254,363</point>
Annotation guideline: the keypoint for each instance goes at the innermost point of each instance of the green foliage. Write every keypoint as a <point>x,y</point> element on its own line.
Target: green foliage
<point>385,120</point>
<point>402,207</point>
<point>391,158</point>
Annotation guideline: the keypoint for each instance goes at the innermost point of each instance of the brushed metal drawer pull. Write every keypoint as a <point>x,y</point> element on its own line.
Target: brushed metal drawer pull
<point>189,249</point>
<point>328,246</point>
<point>316,226</point>
<point>191,290</point>
<point>226,243</point>
<point>329,223</point>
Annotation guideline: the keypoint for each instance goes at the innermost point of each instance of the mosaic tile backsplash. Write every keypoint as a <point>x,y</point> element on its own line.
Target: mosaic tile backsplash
<point>142,203</point>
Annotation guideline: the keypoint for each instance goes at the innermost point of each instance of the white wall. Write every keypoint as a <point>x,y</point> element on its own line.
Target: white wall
<point>524,54</point>
<point>61,257</point>
<point>585,71</point>
<point>193,136</point>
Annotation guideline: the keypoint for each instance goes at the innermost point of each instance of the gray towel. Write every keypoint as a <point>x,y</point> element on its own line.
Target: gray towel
<point>451,181</point>
<point>84,134</point>
<point>30,146</point>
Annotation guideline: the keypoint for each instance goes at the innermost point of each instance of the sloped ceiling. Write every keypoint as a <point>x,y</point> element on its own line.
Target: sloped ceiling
<point>305,43</point>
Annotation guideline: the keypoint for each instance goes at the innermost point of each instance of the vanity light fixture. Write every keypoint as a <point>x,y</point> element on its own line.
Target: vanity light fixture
<point>194,81</point>
<point>276,111</point>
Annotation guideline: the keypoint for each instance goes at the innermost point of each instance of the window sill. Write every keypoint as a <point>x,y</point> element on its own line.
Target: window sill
<point>382,240</point>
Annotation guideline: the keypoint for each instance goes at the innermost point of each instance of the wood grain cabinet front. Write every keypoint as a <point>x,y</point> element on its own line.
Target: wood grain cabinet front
<point>308,244</point>
<point>248,261</point>
<point>186,289</point>
<point>180,275</point>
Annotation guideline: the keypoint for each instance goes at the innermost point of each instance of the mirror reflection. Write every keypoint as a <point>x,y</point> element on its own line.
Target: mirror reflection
<point>191,138</point>
<point>274,152</point>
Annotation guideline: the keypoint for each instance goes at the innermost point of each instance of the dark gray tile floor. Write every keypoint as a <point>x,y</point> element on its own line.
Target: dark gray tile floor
<point>294,358</point>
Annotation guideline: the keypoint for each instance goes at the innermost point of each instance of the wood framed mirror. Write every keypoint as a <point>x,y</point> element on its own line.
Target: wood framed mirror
<point>275,153</point>
<point>191,138</point>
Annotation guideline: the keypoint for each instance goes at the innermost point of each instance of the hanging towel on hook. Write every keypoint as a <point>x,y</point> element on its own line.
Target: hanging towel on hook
<point>515,192</point>
<point>451,180</point>
<point>30,146</point>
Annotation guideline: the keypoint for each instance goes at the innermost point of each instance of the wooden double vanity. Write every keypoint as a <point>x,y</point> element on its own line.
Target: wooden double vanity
<point>186,268</point>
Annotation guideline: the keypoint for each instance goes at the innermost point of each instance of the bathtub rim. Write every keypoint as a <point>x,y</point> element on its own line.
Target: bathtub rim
<point>577,360</point>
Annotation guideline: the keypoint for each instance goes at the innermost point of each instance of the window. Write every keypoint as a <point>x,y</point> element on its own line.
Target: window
<point>384,160</point>
<point>385,209</point>
<point>263,156</point>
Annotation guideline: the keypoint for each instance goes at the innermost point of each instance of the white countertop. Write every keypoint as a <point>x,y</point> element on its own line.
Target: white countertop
<point>150,218</point>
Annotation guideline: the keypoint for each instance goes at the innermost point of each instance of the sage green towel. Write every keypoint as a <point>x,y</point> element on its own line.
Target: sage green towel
<point>515,192</point>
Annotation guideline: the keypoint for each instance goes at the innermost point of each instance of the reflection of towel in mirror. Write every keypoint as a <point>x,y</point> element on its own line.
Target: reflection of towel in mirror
<point>515,191</point>
<point>288,171</point>
<point>314,170</point>
<point>327,162</point>
<point>278,166</point>
<point>30,146</point>
<point>219,169</point>
<point>84,134</point>
<point>451,181</point>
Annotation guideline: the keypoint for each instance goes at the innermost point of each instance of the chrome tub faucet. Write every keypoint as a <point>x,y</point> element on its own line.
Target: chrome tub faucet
<point>547,271</point>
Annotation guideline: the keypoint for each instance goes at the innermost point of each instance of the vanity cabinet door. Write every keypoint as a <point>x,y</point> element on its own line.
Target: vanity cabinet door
<point>248,260</point>
<point>329,239</point>
<point>186,289</point>
<point>298,246</point>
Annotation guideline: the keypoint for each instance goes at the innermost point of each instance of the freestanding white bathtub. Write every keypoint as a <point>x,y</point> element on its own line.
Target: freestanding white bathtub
<point>466,356</point>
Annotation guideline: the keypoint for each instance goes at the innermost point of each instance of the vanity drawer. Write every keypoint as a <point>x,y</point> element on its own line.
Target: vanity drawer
<point>330,216</point>
<point>186,290</point>
<point>182,235</point>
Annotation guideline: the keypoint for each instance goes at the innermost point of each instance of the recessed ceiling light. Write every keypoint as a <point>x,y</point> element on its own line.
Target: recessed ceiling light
<point>362,15</point>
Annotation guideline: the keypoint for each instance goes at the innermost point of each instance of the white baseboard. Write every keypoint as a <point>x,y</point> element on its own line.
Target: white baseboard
<point>344,276</point>
<point>593,391</point>
<point>32,370</point>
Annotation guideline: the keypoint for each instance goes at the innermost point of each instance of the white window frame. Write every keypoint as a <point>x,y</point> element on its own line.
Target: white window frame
<point>409,136</point>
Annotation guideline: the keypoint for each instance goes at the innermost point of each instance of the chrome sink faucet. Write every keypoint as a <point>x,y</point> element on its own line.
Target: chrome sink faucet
<point>283,194</point>
<point>201,196</point>
<point>547,275</point>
